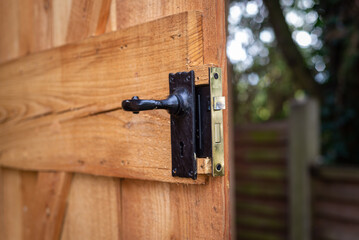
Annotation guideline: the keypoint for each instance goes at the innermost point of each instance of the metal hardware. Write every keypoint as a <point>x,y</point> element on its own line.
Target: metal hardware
<point>196,121</point>
<point>181,105</point>
<point>217,104</point>
<point>172,104</point>
<point>184,161</point>
<point>203,121</point>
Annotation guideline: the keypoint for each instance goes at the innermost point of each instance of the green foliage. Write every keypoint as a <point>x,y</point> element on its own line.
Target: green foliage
<point>267,99</point>
<point>340,105</point>
<point>263,82</point>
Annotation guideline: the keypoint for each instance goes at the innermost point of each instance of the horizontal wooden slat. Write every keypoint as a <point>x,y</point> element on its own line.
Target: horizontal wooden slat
<point>247,234</point>
<point>337,210</point>
<point>261,154</point>
<point>61,109</point>
<point>261,173</point>
<point>243,144</point>
<point>271,126</point>
<point>336,191</point>
<point>336,173</point>
<point>264,201</point>
<point>261,222</point>
<point>261,133</point>
<point>261,189</point>
<point>262,209</point>
<point>324,229</point>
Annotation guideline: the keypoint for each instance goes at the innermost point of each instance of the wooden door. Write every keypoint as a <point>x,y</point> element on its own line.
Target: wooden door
<point>74,165</point>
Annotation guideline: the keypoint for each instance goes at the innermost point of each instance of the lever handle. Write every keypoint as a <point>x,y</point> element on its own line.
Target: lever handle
<point>175,104</point>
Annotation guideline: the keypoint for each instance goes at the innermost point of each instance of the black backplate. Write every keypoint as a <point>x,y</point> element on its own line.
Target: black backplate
<point>184,163</point>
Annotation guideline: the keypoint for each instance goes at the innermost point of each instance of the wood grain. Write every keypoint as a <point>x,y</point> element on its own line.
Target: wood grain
<point>11,205</point>
<point>30,26</point>
<point>215,195</point>
<point>89,17</point>
<point>93,193</point>
<point>61,21</point>
<point>74,102</point>
<point>100,72</point>
<point>16,193</point>
<point>28,196</point>
<point>204,166</point>
<point>47,29</point>
<point>171,209</point>
<point>94,208</point>
<point>209,218</point>
<point>47,208</point>
<point>9,47</point>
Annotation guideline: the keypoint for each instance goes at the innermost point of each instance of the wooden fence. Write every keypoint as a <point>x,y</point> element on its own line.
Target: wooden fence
<point>261,181</point>
<point>335,201</point>
<point>281,190</point>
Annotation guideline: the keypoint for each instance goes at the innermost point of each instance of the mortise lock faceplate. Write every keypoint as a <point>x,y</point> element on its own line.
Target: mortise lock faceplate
<point>196,121</point>
<point>218,103</point>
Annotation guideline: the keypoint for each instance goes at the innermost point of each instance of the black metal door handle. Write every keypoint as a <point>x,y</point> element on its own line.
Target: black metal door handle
<point>175,104</point>
<point>196,121</point>
<point>181,104</point>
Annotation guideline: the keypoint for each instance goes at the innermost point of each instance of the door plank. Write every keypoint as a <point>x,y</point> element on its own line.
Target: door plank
<point>28,190</point>
<point>89,17</point>
<point>17,189</point>
<point>60,109</point>
<point>214,26</point>
<point>112,20</point>
<point>47,207</point>
<point>100,71</point>
<point>28,26</point>
<point>61,21</point>
<point>214,52</point>
<point>11,205</point>
<point>174,211</point>
<point>9,42</point>
<point>94,208</point>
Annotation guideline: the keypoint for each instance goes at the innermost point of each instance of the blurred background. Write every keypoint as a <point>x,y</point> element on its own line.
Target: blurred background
<point>294,66</point>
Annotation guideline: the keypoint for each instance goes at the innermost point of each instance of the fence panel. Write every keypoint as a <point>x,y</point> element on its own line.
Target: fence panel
<point>261,181</point>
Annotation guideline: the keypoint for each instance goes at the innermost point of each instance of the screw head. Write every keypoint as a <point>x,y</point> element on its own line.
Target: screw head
<point>215,76</point>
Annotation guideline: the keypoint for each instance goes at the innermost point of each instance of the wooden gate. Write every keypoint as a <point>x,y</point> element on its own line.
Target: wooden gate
<point>74,165</point>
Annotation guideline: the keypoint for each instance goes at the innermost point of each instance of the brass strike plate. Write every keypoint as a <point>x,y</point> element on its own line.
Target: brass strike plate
<point>217,105</point>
